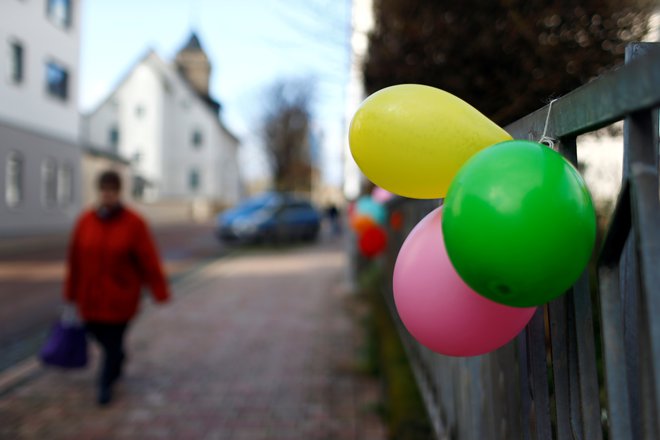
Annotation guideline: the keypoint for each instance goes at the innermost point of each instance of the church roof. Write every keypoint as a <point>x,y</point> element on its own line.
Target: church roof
<point>193,43</point>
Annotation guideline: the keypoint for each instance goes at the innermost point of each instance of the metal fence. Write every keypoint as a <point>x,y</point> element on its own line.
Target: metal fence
<point>588,364</point>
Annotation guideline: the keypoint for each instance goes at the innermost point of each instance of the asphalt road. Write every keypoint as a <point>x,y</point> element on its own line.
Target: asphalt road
<point>31,274</point>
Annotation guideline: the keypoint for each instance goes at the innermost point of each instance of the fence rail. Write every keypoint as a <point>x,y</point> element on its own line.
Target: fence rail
<point>588,364</point>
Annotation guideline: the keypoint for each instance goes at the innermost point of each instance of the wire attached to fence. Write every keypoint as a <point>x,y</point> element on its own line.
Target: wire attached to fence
<point>547,140</point>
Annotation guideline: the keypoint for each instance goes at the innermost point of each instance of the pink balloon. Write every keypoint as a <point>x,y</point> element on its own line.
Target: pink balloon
<point>381,195</point>
<point>439,310</point>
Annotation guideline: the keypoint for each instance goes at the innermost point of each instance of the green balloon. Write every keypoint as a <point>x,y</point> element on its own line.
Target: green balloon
<point>519,224</point>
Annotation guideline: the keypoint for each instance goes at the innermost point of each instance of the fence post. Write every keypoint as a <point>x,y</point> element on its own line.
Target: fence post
<point>641,170</point>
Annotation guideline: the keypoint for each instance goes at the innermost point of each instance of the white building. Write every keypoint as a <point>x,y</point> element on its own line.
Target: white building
<point>39,122</point>
<point>162,118</point>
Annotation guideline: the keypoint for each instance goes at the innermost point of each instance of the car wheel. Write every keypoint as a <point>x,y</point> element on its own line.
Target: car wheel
<point>311,234</point>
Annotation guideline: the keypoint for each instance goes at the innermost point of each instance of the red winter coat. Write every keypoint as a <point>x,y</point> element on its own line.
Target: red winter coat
<point>109,261</point>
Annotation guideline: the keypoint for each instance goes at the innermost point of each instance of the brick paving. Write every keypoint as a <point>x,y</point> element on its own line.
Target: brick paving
<point>255,346</point>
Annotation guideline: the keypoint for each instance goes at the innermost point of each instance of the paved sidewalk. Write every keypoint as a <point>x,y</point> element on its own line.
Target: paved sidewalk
<point>257,346</point>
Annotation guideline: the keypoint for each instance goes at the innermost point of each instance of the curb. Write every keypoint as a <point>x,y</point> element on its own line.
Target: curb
<point>19,374</point>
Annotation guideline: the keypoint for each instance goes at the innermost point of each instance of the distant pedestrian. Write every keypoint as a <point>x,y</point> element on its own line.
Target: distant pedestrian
<point>111,256</point>
<point>332,212</point>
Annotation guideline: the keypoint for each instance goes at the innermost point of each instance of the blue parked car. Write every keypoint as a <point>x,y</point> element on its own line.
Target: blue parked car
<point>271,216</point>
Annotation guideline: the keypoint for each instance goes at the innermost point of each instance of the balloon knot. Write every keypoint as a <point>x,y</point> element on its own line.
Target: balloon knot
<point>545,139</point>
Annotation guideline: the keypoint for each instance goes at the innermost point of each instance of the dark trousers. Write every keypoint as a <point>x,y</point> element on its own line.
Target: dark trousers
<point>111,338</point>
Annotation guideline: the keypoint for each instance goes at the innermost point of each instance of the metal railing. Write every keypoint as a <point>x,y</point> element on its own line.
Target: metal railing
<point>588,364</point>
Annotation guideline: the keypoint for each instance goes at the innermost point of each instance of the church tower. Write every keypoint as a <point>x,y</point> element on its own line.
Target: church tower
<point>192,62</point>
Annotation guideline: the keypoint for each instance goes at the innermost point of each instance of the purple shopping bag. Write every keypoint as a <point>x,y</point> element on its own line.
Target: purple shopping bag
<point>66,346</point>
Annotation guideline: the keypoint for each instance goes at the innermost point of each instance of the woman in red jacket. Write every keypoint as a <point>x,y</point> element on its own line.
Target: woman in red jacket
<point>111,256</point>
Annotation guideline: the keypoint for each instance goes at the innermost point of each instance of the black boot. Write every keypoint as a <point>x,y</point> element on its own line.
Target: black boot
<point>105,395</point>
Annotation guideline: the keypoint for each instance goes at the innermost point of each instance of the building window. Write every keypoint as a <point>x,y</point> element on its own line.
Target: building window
<point>137,158</point>
<point>59,12</point>
<point>65,185</point>
<point>139,111</point>
<point>16,62</point>
<point>167,86</point>
<point>197,139</point>
<point>113,138</point>
<point>49,182</point>
<point>57,80</point>
<point>194,180</point>
<point>14,173</point>
<point>139,187</point>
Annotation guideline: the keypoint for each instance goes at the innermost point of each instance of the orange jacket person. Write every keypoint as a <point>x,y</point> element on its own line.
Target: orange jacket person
<point>111,256</point>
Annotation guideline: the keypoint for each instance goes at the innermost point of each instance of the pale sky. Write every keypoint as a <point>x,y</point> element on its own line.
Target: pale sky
<point>250,43</point>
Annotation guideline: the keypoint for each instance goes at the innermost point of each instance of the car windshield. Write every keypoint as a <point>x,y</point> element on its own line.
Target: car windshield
<point>256,203</point>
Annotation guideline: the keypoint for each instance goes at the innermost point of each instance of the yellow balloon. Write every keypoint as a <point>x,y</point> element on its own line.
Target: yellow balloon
<point>411,139</point>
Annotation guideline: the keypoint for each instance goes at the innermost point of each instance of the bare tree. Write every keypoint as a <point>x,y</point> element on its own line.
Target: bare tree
<point>505,57</point>
<point>285,131</point>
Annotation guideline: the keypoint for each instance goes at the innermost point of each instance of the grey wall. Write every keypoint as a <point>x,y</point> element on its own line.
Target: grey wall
<point>32,216</point>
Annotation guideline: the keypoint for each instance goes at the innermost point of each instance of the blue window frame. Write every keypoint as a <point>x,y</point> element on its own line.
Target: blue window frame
<point>59,12</point>
<point>57,80</point>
